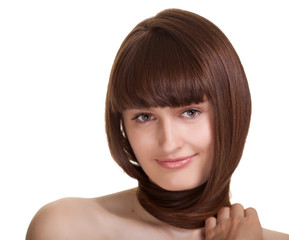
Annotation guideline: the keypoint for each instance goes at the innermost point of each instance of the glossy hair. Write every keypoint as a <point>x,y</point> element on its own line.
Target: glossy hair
<point>170,60</point>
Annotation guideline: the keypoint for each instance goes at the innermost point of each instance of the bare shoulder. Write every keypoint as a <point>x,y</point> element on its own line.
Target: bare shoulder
<point>83,218</point>
<point>119,204</point>
<point>69,218</point>
<point>272,235</point>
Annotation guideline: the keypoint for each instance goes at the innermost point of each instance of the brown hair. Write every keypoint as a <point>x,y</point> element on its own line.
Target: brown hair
<point>170,60</point>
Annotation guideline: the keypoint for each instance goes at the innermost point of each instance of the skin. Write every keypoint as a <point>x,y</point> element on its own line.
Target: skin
<point>234,223</point>
<point>161,134</point>
<point>120,217</point>
<point>166,133</point>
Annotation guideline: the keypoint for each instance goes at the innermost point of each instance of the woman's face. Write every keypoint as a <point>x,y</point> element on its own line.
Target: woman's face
<point>174,146</point>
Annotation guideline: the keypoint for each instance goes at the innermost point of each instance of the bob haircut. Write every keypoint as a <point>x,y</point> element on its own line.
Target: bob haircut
<point>175,59</point>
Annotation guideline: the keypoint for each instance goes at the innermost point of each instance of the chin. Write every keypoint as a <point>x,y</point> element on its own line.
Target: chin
<point>179,187</point>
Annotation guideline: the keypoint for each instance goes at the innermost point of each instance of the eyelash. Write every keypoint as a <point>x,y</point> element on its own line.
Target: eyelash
<point>150,116</point>
<point>196,113</point>
<point>142,115</point>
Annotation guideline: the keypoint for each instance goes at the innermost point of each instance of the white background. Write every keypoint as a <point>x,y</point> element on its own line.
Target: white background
<point>55,60</point>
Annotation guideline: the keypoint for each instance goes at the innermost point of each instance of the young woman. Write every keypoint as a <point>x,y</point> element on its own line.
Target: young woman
<point>178,111</point>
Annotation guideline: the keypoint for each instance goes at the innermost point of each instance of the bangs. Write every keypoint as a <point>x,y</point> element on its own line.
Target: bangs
<point>158,71</point>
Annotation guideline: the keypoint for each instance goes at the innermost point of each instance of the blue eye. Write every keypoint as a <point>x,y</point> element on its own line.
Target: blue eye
<point>191,113</point>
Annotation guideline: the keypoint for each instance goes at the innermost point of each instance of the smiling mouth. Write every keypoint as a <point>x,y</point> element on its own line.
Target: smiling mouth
<point>175,163</point>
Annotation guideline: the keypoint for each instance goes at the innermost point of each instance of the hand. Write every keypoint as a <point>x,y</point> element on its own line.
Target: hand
<point>234,223</point>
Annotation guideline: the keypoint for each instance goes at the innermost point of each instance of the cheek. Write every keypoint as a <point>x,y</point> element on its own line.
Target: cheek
<point>207,140</point>
<point>207,149</point>
<point>142,142</point>
<point>202,142</point>
<point>202,138</point>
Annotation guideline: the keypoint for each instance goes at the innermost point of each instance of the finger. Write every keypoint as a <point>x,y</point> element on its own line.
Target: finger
<point>223,214</point>
<point>251,212</point>
<point>237,210</point>
<point>210,226</point>
<point>210,223</point>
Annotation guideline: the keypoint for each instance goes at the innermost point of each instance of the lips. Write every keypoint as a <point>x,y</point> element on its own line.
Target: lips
<point>175,163</point>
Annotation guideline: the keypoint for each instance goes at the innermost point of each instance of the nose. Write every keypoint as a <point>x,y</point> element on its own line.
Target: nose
<point>170,139</point>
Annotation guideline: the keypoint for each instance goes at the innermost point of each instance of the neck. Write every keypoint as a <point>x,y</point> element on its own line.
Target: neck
<point>183,209</point>
<point>172,231</point>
